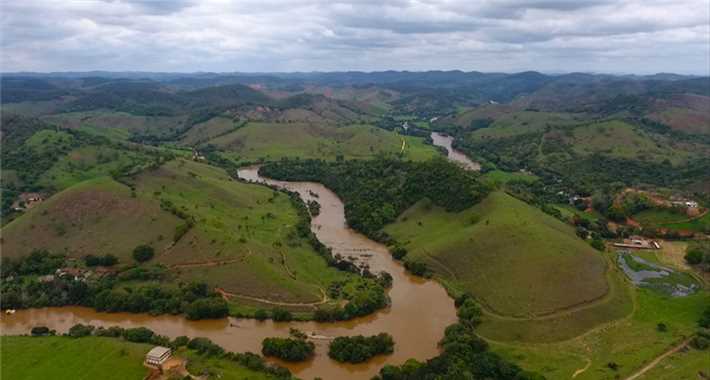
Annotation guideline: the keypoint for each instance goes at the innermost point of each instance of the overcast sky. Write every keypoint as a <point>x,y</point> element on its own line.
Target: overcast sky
<point>618,36</point>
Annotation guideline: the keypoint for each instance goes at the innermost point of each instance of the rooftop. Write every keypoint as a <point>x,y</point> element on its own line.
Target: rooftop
<point>158,351</point>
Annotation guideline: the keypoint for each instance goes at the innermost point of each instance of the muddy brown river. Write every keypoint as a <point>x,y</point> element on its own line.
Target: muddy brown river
<point>445,142</point>
<point>419,313</point>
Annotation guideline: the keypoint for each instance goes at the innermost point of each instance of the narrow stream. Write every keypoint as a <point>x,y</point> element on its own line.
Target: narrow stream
<point>446,141</point>
<point>419,313</point>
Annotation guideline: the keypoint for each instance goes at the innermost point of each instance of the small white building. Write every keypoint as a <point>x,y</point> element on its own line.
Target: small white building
<point>157,356</point>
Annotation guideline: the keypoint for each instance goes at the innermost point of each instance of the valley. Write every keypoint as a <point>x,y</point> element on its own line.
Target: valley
<point>479,230</point>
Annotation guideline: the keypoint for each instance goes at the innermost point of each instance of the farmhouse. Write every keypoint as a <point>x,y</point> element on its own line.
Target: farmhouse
<point>27,201</point>
<point>638,243</point>
<point>157,356</point>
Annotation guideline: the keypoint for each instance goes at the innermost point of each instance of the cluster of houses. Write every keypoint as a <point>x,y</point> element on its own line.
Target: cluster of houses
<point>76,274</point>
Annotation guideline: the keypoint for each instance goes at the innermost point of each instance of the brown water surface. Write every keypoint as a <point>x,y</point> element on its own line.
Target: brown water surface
<point>445,141</point>
<point>419,313</point>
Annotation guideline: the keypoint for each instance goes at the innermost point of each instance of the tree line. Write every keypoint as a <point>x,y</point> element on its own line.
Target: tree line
<point>21,288</point>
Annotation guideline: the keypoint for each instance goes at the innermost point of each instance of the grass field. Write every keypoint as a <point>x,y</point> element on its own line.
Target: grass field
<point>210,129</point>
<point>58,357</point>
<point>247,232</point>
<point>89,162</point>
<point>619,139</point>
<point>217,368</point>
<point>655,217</point>
<point>31,358</point>
<point>494,248</point>
<point>701,224</point>
<point>685,364</point>
<point>508,124</point>
<point>499,177</point>
<point>94,217</point>
<point>630,342</point>
<point>272,141</point>
<point>569,212</point>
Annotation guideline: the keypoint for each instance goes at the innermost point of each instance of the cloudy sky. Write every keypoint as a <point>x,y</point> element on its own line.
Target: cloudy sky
<point>618,36</point>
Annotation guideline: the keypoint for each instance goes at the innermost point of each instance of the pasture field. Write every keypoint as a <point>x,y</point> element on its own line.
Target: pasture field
<point>89,162</point>
<point>655,217</point>
<point>499,177</point>
<point>496,246</point>
<point>569,212</point>
<point>98,216</point>
<point>701,224</point>
<point>115,124</point>
<point>619,139</point>
<point>630,342</point>
<point>59,357</point>
<point>685,364</point>
<point>244,239</point>
<point>219,368</point>
<point>513,123</point>
<point>272,141</point>
<point>210,129</point>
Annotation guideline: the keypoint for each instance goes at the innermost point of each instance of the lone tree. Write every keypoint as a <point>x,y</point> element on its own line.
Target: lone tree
<point>143,253</point>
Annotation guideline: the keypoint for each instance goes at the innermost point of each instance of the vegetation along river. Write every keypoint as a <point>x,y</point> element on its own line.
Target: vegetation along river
<point>446,142</point>
<point>419,313</point>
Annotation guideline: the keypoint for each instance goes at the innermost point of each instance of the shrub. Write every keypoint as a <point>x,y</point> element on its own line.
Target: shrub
<point>357,349</point>
<point>205,346</point>
<point>289,349</point>
<point>180,341</point>
<point>598,244</point>
<point>138,335</point>
<point>261,315</point>
<point>207,308</point>
<point>113,332</point>
<point>416,268</point>
<point>469,313</point>
<point>106,260</point>
<point>694,257</point>
<point>143,253</point>
<point>281,315</point>
<point>40,331</point>
<point>79,330</point>
<point>399,252</point>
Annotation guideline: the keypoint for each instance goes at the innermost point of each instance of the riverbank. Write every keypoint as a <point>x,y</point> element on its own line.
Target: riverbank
<point>404,316</point>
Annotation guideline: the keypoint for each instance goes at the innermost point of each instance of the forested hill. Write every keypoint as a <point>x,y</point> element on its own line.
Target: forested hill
<point>376,191</point>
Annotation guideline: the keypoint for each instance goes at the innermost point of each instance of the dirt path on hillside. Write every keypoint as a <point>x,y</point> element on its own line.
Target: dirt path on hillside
<point>657,360</point>
<point>211,263</point>
<point>582,370</point>
<point>440,264</point>
<point>226,294</point>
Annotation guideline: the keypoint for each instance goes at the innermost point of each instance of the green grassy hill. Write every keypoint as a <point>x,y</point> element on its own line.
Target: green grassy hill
<point>244,237</point>
<point>537,280</point>
<point>94,217</point>
<point>514,258</point>
<point>248,230</point>
<point>275,140</point>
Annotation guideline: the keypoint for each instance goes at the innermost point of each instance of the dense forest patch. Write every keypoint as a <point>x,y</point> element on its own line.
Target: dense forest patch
<point>375,192</point>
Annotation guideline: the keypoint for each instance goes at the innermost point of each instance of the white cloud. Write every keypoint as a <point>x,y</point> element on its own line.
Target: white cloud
<point>287,35</point>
